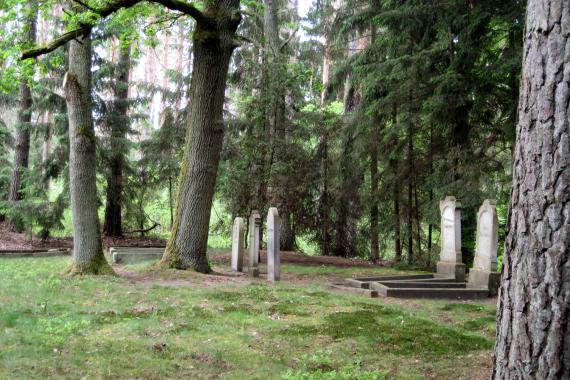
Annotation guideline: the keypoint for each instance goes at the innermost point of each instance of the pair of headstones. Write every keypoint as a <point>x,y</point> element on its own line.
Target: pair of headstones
<point>484,272</point>
<point>238,238</point>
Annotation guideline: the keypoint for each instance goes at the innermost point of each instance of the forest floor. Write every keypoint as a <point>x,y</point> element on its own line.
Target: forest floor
<point>168,324</point>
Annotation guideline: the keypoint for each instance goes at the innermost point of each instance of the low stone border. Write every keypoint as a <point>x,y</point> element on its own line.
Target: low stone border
<point>14,253</point>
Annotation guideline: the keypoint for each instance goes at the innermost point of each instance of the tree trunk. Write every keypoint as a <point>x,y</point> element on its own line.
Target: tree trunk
<point>277,121</point>
<point>119,121</point>
<point>374,255</point>
<point>397,238</point>
<point>22,148</point>
<point>287,232</point>
<point>87,248</point>
<point>533,338</point>
<point>214,42</point>
<point>410,215</point>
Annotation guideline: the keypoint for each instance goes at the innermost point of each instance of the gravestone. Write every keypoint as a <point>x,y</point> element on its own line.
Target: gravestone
<point>273,254</point>
<point>450,260</point>
<point>484,272</point>
<point>254,226</point>
<point>238,244</point>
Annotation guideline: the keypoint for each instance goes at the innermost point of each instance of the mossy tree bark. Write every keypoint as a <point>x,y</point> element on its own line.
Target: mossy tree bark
<point>88,255</point>
<point>119,125</point>
<point>533,338</point>
<point>213,43</point>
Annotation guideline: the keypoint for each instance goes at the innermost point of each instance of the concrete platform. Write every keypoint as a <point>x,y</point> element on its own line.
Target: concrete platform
<point>433,293</point>
<point>417,286</point>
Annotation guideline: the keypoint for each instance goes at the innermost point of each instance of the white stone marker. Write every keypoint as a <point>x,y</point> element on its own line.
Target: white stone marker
<point>273,254</point>
<point>238,244</point>
<point>484,272</point>
<point>254,226</point>
<point>450,260</point>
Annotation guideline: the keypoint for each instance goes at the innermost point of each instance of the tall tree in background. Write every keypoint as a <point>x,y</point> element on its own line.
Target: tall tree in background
<point>22,146</point>
<point>118,123</point>
<point>533,339</point>
<point>275,73</point>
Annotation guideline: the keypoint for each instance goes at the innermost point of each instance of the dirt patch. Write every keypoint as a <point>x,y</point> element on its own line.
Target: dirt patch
<point>18,241</point>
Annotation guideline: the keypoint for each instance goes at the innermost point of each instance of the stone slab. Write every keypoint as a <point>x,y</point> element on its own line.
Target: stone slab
<point>238,245</point>
<point>432,293</point>
<point>480,278</point>
<point>450,269</point>
<point>357,283</point>
<point>353,290</point>
<point>273,248</point>
<point>35,253</point>
<point>135,257</point>
<point>422,284</point>
<point>397,277</point>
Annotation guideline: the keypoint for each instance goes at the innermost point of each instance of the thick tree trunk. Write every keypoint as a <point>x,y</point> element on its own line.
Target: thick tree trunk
<point>119,127</point>
<point>87,247</point>
<point>214,42</point>
<point>533,338</point>
<point>22,148</point>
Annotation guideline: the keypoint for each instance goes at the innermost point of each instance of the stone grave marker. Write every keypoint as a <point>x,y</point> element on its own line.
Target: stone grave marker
<point>273,254</point>
<point>484,272</point>
<point>254,229</point>
<point>450,259</point>
<point>238,244</point>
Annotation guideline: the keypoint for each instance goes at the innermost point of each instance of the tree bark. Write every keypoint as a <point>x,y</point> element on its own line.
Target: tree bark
<point>374,254</point>
<point>22,148</point>
<point>533,338</point>
<point>277,120</point>
<point>87,247</point>
<point>119,121</point>
<point>214,42</point>
<point>397,237</point>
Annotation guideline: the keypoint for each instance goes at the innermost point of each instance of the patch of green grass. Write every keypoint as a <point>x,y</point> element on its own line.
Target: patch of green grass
<point>319,365</point>
<point>390,329</point>
<point>112,328</point>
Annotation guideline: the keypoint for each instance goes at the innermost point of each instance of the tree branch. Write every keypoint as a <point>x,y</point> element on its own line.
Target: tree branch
<point>112,7</point>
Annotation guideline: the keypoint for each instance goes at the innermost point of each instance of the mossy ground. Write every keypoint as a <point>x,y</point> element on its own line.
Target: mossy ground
<point>111,327</point>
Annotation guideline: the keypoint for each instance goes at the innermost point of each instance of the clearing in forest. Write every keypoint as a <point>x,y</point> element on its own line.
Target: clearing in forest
<point>171,324</point>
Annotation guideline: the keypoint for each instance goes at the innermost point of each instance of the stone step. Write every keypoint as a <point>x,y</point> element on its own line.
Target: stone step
<point>396,277</point>
<point>353,290</point>
<point>423,284</point>
<point>435,293</point>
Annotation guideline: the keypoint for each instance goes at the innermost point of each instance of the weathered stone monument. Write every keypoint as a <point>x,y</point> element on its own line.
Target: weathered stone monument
<point>450,260</point>
<point>238,244</point>
<point>254,226</point>
<point>484,272</point>
<point>273,254</point>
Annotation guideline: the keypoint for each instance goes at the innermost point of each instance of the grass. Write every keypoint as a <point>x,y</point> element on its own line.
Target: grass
<point>112,328</point>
